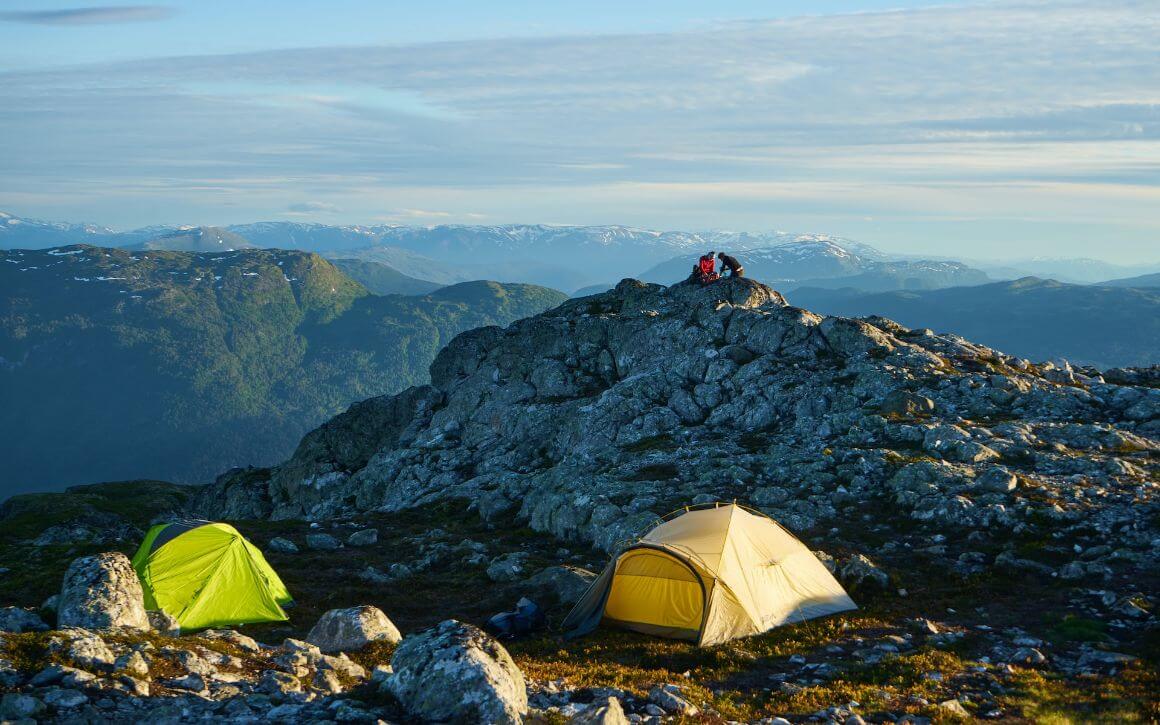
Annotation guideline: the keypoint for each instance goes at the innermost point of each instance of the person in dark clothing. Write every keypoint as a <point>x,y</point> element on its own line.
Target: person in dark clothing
<point>731,263</point>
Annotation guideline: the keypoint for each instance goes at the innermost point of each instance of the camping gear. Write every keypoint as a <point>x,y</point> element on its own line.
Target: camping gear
<point>206,574</point>
<point>710,575</point>
<point>526,618</point>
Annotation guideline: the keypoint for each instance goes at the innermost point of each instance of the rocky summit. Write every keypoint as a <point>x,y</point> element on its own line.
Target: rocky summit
<point>590,420</point>
<point>996,520</point>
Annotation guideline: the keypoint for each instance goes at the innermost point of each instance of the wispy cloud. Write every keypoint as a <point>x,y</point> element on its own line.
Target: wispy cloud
<point>99,15</point>
<point>314,207</point>
<point>905,116</point>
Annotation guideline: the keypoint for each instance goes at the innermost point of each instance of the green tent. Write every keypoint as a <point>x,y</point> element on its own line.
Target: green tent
<point>206,574</point>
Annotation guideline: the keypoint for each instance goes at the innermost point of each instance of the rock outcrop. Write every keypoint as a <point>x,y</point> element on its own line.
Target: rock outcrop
<point>102,592</point>
<point>454,672</point>
<point>589,420</point>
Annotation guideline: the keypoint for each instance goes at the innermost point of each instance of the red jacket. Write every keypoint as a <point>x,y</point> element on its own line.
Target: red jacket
<point>708,264</point>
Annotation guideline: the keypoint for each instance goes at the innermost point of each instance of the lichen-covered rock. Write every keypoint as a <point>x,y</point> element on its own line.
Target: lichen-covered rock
<point>352,629</point>
<point>454,672</point>
<point>860,574</point>
<point>102,592</point>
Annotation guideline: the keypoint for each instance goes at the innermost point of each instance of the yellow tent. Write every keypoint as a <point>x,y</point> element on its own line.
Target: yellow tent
<point>206,574</point>
<point>710,575</point>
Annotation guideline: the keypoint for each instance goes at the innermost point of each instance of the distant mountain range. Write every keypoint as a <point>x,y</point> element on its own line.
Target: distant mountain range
<point>1143,280</point>
<point>589,258</point>
<point>1032,318</point>
<point>122,364</point>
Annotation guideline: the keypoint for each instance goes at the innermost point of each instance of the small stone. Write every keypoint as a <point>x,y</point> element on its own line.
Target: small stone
<point>282,546</point>
<point>954,707</point>
<point>15,619</point>
<point>322,542</point>
<point>507,567</point>
<point>88,650</point>
<point>906,403</point>
<point>327,681</point>
<point>164,623</point>
<point>132,664</point>
<point>672,701</point>
<point>601,712</point>
<point>997,480</point>
<point>65,699</point>
<point>366,537</point>
<point>192,682</point>
<point>1028,656</point>
<point>14,706</point>
<point>859,573</point>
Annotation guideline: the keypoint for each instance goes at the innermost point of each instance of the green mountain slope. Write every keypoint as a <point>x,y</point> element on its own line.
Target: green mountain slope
<point>383,279</point>
<point>117,364</point>
<point>1030,317</point>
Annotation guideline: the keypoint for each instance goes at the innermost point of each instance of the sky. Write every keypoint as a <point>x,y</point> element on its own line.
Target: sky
<point>993,130</point>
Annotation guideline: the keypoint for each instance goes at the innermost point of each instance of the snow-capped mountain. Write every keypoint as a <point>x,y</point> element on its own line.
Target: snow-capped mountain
<point>19,233</point>
<point>194,239</point>
<point>820,261</point>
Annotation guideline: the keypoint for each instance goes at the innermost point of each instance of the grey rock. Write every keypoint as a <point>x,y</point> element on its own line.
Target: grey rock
<point>352,629</point>
<point>563,582</point>
<point>997,479</point>
<point>132,664</point>
<point>507,567</point>
<point>904,402</point>
<point>455,672</point>
<point>164,623</point>
<point>607,711</point>
<point>366,537</point>
<point>322,542</point>
<point>282,546</point>
<point>14,706</point>
<point>668,697</point>
<point>955,708</point>
<point>102,592</point>
<point>859,573</point>
<point>85,648</point>
<point>64,699</point>
<point>192,682</point>
<point>15,619</point>
<point>1028,656</point>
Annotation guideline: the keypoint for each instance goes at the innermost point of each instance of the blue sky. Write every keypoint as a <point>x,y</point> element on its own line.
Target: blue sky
<point>999,129</point>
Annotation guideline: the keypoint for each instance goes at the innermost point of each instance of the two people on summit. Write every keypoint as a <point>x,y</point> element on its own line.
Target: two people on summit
<point>705,270</point>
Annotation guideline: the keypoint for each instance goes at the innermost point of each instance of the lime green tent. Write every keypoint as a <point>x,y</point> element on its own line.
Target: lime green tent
<point>206,574</point>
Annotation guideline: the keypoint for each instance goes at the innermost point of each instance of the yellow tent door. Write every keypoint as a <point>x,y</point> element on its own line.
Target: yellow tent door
<point>656,593</point>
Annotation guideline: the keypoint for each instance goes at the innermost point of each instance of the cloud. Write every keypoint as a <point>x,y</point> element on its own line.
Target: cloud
<point>100,15</point>
<point>314,207</point>
<point>844,116</point>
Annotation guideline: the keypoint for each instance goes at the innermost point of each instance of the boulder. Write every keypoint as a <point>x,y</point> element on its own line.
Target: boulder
<point>282,546</point>
<point>566,583</point>
<point>366,537</point>
<point>352,629</point>
<point>322,542</point>
<point>601,712</point>
<point>456,672</point>
<point>102,592</point>
<point>669,699</point>
<point>15,619</point>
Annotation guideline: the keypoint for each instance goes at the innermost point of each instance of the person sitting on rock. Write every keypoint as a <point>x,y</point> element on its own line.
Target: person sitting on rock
<point>705,271</point>
<point>730,263</point>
